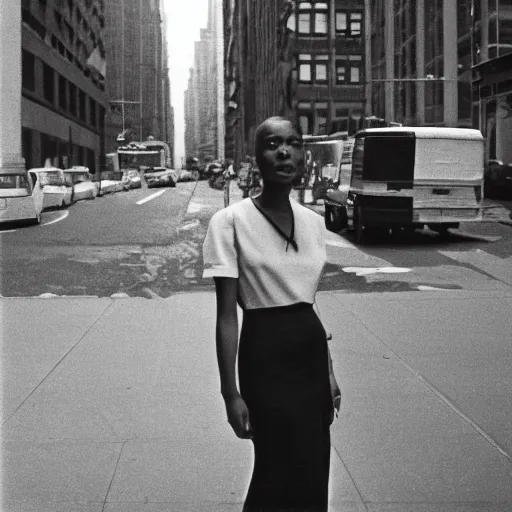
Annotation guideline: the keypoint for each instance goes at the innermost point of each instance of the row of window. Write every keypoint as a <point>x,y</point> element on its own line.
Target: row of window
<point>313,19</point>
<point>74,11</point>
<point>313,118</point>
<point>315,69</point>
<point>38,148</point>
<point>59,92</point>
<point>78,57</point>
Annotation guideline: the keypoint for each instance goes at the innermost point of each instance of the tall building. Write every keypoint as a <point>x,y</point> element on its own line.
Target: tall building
<point>329,53</point>
<point>444,63</point>
<point>204,97</point>
<point>492,60</point>
<point>299,59</point>
<point>422,53</point>
<point>258,73</point>
<point>415,76</point>
<point>62,90</point>
<point>138,87</point>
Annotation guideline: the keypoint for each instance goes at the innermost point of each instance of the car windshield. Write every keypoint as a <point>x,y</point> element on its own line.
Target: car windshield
<point>136,159</point>
<point>53,178</point>
<point>13,181</point>
<point>325,154</point>
<point>79,177</point>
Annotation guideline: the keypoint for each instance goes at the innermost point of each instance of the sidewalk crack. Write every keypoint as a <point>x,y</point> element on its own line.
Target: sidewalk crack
<point>113,475</point>
<point>350,476</point>
<point>58,363</point>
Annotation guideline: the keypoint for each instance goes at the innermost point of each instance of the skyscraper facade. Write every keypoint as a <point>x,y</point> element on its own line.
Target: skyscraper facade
<point>63,94</point>
<point>138,86</point>
<point>300,59</point>
<point>492,60</point>
<point>329,64</point>
<point>204,97</point>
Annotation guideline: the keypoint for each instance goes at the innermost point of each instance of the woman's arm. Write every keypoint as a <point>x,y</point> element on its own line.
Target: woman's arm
<point>227,348</point>
<point>227,334</point>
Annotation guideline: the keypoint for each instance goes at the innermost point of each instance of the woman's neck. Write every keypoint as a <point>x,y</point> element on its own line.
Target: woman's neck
<point>275,197</point>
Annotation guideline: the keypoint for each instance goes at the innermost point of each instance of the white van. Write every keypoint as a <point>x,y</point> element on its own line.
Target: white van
<point>409,177</point>
<point>21,198</point>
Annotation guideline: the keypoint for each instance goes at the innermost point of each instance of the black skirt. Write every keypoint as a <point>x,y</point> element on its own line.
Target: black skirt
<point>284,380</point>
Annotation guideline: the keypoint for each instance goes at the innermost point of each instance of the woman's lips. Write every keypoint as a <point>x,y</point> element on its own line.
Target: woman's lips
<point>285,169</point>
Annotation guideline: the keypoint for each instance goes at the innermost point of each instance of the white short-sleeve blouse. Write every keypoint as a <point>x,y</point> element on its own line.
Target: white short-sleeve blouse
<point>241,243</point>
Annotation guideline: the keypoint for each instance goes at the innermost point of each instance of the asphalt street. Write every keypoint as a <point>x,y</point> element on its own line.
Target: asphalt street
<point>147,243</point>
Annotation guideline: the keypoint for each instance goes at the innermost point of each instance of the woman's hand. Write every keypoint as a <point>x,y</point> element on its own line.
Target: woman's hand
<point>238,417</point>
<point>335,395</point>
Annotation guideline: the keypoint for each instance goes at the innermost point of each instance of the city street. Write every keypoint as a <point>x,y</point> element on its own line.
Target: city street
<point>147,243</point>
<point>111,404</point>
<point>115,117</point>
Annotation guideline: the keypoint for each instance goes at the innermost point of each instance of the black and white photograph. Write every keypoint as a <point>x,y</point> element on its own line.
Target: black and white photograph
<point>256,255</point>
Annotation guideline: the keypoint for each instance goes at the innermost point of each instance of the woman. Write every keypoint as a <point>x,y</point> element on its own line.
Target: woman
<point>267,253</point>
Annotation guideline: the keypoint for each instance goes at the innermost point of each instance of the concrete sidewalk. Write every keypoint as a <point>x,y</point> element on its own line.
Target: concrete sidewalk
<point>113,405</point>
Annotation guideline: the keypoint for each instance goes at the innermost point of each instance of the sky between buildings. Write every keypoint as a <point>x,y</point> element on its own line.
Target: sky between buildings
<point>186,18</point>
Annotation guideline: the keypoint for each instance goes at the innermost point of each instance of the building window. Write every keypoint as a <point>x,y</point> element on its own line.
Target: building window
<point>349,24</point>
<point>355,74</point>
<point>313,18</point>
<point>305,115</point>
<point>92,110</point>
<point>63,87</point>
<point>348,70</point>
<point>313,68</point>
<point>342,116</point>
<point>72,99</point>
<point>321,70</point>
<point>28,76</point>
<point>26,147</point>
<point>48,149</point>
<point>341,72</point>
<point>320,118</point>
<point>305,74</point>
<point>91,160</point>
<point>321,23</point>
<point>81,104</point>
<point>48,83</point>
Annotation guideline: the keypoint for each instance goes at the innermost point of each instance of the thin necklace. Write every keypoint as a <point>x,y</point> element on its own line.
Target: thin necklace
<point>289,239</point>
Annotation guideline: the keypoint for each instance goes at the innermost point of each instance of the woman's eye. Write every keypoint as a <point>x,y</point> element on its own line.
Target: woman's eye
<point>296,143</point>
<point>272,144</point>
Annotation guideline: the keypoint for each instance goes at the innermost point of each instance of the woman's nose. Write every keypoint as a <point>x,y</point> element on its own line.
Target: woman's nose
<point>283,151</point>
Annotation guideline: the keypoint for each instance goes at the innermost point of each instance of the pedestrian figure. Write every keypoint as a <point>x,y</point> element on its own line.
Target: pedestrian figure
<point>228,175</point>
<point>268,253</point>
<point>245,176</point>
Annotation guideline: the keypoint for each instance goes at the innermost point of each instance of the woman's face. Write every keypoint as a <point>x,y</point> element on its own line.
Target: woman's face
<point>281,151</point>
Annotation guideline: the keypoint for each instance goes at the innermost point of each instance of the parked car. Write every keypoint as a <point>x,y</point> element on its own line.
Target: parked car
<point>185,175</point>
<point>161,177</point>
<point>56,194</point>
<point>21,198</point>
<point>131,179</point>
<point>498,180</point>
<point>110,186</point>
<point>80,179</point>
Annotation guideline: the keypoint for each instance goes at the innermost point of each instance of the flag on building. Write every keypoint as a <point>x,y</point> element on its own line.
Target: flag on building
<point>97,62</point>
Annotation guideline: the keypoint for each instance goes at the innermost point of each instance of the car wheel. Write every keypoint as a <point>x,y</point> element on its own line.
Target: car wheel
<point>335,218</point>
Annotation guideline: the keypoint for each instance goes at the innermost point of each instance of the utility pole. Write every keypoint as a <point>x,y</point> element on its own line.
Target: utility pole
<point>141,57</point>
